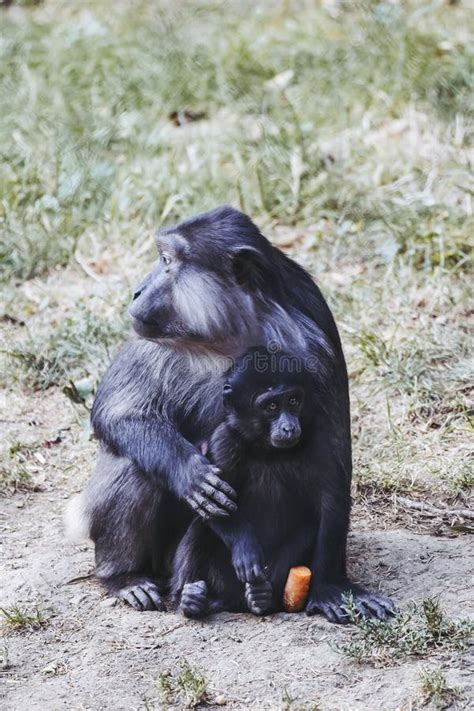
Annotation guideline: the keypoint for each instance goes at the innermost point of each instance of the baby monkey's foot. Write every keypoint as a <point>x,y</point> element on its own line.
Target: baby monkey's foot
<point>259,597</point>
<point>194,599</point>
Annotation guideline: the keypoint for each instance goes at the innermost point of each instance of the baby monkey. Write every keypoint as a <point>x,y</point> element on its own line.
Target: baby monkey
<point>241,562</point>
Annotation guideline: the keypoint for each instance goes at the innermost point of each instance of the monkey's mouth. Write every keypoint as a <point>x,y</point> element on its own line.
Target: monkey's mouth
<point>154,331</point>
<point>178,337</point>
<point>284,442</point>
<point>147,329</point>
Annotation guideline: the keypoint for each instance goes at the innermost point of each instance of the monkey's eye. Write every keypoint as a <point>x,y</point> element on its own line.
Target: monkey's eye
<point>293,401</point>
<point>272,406</point>
<point>165,259</point>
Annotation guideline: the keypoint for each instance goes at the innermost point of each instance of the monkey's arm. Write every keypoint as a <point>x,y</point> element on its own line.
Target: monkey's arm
<point>161,452</point>
<point>239,536</point>
<point>330,582</point>
<point>236,532</point>
<point>135,430</point>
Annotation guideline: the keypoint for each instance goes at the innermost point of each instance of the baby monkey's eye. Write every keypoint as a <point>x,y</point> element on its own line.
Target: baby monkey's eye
<point>165,259</point>
<point>293,401</point>
<point>272,406</point>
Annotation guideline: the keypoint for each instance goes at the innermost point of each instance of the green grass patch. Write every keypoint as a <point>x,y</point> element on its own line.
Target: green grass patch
<point>14,473</point>
<point>188,689</point>
<point>435,690</point>
<point>78,349</point>
<point>22,618</point>
<point>421,631</point>
<point>86,134</point>
<point>15,477</point>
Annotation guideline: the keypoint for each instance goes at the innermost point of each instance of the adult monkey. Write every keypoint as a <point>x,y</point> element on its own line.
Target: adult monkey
<point>218,288</point>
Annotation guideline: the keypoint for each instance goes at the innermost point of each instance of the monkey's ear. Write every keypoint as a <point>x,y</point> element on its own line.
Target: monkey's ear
<point>249,268</point>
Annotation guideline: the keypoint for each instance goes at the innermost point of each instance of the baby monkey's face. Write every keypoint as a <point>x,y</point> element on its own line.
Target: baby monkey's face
<point>269,416</point>
<point>278,412</point>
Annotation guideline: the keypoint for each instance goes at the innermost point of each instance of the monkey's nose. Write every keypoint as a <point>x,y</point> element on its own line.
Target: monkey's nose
<point>289,429</point>
<point>136,294</point>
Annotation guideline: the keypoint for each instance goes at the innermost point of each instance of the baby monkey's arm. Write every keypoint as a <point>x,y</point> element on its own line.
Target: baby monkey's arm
<point>225,450</point>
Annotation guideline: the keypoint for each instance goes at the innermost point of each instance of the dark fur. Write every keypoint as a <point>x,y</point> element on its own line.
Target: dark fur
<point>163,391</point>
<point>274,527</point>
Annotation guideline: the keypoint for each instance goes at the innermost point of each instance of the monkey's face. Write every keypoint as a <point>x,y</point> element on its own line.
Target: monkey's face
<point>273,420</point>
<point>280,410</point>
<point>194,296</point>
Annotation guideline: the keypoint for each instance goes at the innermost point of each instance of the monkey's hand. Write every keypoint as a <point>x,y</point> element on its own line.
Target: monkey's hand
<point>259,597</point>
<point>207,493</point>
<point>331,600</point>
<point>247,559</point>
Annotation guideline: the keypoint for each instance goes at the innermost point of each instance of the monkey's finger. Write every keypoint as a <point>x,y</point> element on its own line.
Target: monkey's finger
<point>155,598</point>
<point>375,609</point>
<point>191,609</point>
<point>341,615</point>
<point>219,497</point>
<point>378,601</point>
<point>386,603</point>
<point>196,586</point>
<point>223,500</point>
<point>205,508</point>
<point>259,598</point>
<point>262,587</point>
<point>193,602</point>
<point>258,588</point>
<point>197,508</point>
<point>214,511</point>
<point>361,607</point>
<point>326,609</point>
<point>240,572</point>
<point>217,483</point>
<point>259,573</point>
<point>209,506</point>
<point>193,595</point>
<point>254,574</point>
<point>329,613</point>
<point>130,598</point>
<point>145,601</point>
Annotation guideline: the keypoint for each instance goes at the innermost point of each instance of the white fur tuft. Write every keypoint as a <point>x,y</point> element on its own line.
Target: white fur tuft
<point>75,519</point>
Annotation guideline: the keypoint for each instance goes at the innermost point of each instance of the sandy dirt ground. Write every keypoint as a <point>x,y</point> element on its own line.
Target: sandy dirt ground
<point>93,653</point>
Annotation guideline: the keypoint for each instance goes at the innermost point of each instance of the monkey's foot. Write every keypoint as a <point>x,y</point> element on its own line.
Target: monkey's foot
<point>331,600</point>
<point>259,597</point>
<point>141,593</point>
<point>194,600</point>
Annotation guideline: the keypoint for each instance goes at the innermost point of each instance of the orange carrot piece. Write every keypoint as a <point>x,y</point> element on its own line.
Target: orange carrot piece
<point>296,588</point>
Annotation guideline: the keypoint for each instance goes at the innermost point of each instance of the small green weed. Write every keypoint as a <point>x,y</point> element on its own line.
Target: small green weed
<point>188,689</point>
<point>435,691</point>
<point>422,630</point>
<point>20,618</point>
<point>288,703</point>
<point>14,473</point>
<point>15,478</point>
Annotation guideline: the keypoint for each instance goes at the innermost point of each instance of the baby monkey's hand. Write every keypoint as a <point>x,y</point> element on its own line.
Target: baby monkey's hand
<point>259,597</point>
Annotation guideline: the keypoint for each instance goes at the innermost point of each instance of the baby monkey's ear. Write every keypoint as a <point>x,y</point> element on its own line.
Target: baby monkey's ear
<point>227,392</point>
